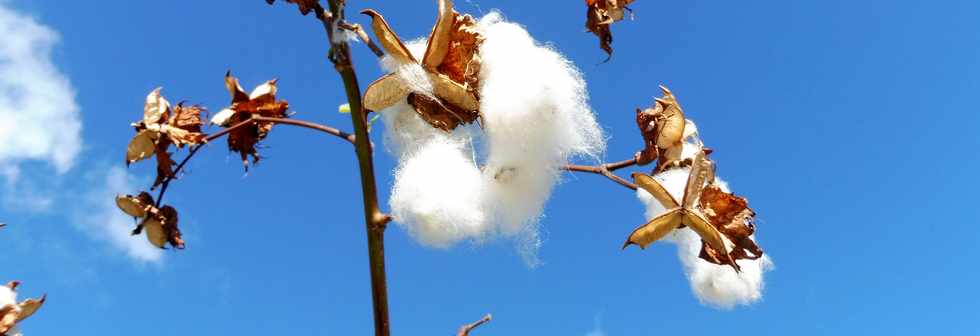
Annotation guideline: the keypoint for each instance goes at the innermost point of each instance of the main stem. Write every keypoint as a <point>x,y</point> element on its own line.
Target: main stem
<point>374,220</point>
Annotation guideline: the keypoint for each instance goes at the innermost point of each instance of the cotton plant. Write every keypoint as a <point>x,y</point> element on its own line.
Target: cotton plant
<point>471,71</point>
<point>688,205</point>
<point>13,312</point>
<point>480,145</point>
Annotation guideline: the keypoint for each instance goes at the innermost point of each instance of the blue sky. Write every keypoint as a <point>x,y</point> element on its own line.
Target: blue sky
<point>850,125</point>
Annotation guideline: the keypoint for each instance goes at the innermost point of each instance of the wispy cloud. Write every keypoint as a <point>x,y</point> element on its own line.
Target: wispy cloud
<point>98,217</point>
<point>39,118</point>
<point>597,327</point>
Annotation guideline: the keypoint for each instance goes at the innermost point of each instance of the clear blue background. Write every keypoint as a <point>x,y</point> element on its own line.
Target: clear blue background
<point>850,125</point>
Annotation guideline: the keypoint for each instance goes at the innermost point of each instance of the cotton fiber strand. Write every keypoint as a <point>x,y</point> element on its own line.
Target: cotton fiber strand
<point>7,296</point>
<point>535,115</point>
<point>715,285</point>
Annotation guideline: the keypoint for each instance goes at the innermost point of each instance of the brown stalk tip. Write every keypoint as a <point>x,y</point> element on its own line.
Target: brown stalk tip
<point>370,12</point>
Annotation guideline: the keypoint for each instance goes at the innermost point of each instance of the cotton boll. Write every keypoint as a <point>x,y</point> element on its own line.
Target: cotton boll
<point>716,285</point>
<point>535,116</point>
<point>437,194</point>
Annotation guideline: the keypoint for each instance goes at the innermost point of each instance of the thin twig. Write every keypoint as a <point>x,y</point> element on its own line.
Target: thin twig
<point>214,136</point>
<point>465,330</point>
<point>606,170</point>
<point>323,128</point>
<point>361,34</point>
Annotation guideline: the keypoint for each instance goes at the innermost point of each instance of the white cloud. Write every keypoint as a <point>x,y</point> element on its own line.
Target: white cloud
<point>39,118</point>
<point>100,218</point>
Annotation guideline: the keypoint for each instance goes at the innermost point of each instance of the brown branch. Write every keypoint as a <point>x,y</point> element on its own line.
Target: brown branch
<point>322,128</point>
<point>223,132</point>
<point>465,330</point>
<point>605,170</point>
<point>375,222</point>
<point>361,34</point>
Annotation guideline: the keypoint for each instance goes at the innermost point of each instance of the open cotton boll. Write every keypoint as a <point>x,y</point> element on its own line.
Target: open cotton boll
<point>437,194</point>
<point>716,285</point>
<point>535,116</point>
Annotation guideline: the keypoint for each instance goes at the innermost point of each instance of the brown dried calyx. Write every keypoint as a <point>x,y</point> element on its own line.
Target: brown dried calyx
<point>452,65</point>
<point>261,102</point>
<point>160,224</point>
<point>162,126</point>
<point>13,313</point>
<point>732,216</point>
<point>664,132</point>
<point>600,15</point>
<point>680,213</point>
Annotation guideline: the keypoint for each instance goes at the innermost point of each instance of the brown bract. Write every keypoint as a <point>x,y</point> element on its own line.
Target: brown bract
<point>160,225</point>
<point>305,6</point>
<point>664,129</point>
<point>679,213</point>
<point>600,15</point>
<point>161,127</point>
<point>261,102</point>
<point>731,215</point>
<point>12,314</point>
<point>451,63</point>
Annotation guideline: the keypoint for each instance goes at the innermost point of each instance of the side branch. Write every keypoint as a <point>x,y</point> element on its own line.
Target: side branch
<point>465,330</point>
<point>214,136</point>
<point>606,170</point>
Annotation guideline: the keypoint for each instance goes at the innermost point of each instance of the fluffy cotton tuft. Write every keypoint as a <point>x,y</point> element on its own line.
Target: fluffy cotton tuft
<point>535,116</point>
<point>715,285</point>
<point>7,296</point>
<point>437,193</point>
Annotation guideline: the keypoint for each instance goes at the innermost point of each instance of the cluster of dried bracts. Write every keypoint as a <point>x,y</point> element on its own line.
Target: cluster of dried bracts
<point>160,224</point>
<point>723,220</point>
<point>600,15</point>
<point>260,102</point>
<point>13,312</point>
<point>164,125</point>
<point>161,127</point>
<point>450,63</point>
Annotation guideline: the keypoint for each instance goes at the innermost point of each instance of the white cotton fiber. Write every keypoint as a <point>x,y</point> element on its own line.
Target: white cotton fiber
<point>717,285</point>
<point>7,296</point>
<point>535,115</point>
<point>437,193</point>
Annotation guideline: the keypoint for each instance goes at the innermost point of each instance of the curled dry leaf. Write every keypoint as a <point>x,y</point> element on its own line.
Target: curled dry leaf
<point>731,215</point>
<point>136,206</point>
<point>679,213</point>
<point>161,127</point>
<point>260,102</point>
<point>600,15</point>
<point>305,6</point>
<point>12,312</point>
<point>160,224</point>
<point>451,62</point>
<point>664,129</point>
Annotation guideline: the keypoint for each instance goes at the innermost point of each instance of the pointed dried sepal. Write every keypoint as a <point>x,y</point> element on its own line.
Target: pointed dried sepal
<point>669,119</point>
<point>384,92</point>
<point>439,39</point>
<point>136,206</point>
<point>155,109</point>
<point>390,41</point>
<point>656,189</point>
<point>142,146</point>
<point>656,228</point>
